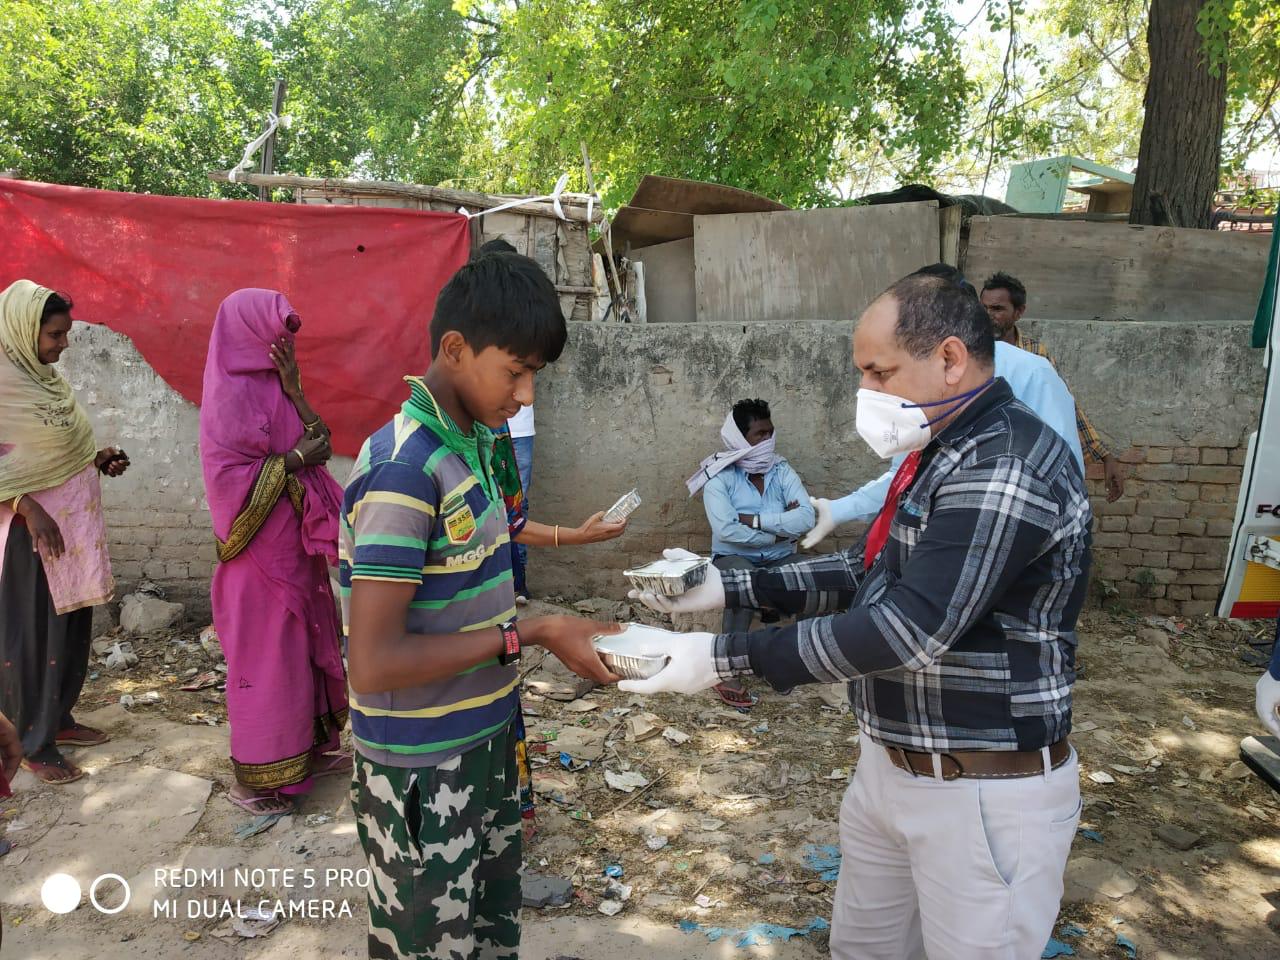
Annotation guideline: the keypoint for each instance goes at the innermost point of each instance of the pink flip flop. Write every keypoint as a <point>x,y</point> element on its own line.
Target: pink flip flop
<point>332,765</point>
<point>250,803</point>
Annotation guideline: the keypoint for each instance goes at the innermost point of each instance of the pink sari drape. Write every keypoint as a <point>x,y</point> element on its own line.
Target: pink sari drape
<point>273,606</point>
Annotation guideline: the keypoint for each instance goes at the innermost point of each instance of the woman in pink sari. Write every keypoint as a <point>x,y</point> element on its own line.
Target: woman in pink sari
<point>275,515</point>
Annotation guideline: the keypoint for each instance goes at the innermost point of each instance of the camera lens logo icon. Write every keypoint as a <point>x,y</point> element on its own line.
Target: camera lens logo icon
<point>61,893</point>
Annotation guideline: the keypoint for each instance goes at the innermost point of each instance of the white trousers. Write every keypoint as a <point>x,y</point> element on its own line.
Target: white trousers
<point>950,870</point>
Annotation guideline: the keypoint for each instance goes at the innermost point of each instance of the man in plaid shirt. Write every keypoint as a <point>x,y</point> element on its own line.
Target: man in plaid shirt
<point>955,625</point>
<point>1006,301</point>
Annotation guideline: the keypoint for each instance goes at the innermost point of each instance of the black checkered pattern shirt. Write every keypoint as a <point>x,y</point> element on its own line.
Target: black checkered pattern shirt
<point>961,636</point>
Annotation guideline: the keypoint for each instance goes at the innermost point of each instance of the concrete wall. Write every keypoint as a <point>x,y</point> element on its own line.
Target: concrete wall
<point>641,405</point>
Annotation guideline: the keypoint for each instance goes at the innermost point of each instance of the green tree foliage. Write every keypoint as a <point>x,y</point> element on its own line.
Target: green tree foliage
<point>757,93</point>
<point>126,95</point>
<point>1079,75</point>
<point>809,103</point>
<point>1243,37</point>
<point>376,87</point>
<point>150,94</point>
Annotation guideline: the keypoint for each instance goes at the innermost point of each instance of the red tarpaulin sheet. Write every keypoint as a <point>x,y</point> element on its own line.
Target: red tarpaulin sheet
<point>364,281</point>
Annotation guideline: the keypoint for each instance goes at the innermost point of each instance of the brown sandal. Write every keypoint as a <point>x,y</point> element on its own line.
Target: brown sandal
<point>736,697</point>
<point>44,771</point>
<point>81,736</point>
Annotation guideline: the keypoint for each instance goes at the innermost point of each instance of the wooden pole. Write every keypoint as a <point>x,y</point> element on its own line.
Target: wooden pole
<point>608,243</point>
<point>575,205</point>
<point>269,148</point>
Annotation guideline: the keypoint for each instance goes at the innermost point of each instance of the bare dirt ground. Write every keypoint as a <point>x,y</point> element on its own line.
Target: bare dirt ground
<point>725,829</point>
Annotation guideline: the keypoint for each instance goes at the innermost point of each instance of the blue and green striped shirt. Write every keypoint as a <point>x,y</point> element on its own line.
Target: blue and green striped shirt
<point>422,507</point>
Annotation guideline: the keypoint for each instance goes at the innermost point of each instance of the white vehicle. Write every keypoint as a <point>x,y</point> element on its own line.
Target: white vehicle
<point>1252,586</point>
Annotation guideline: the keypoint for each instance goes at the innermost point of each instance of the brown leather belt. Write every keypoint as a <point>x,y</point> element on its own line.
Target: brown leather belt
<point>981,764</point>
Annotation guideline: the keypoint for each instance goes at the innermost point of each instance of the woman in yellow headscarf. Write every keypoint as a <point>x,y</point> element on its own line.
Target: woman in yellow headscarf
<point>53,549</point>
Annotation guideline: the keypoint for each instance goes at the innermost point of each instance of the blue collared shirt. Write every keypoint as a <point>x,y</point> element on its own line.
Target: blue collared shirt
<point>729,493</point>
<point>1033,380</point>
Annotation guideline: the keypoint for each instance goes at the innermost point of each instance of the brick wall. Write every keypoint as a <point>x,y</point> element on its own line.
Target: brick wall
<point>169,548</point>
<point>1163,545</point>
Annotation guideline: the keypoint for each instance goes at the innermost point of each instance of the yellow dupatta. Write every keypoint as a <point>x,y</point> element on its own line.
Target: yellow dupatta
<point>45,436</point>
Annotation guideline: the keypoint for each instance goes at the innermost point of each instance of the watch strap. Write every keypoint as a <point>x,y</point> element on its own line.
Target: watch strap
<point>510,644</point>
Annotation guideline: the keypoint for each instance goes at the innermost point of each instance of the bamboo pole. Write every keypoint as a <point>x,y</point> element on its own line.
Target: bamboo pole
<point>618,300</point>
<point>269,148</point>
<point>574,204</point>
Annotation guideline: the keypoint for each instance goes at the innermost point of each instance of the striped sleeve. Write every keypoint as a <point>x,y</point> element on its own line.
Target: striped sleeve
<point>391,523</point>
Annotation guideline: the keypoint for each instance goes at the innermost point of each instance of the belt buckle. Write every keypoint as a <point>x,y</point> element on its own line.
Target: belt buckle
<point>959,767</point>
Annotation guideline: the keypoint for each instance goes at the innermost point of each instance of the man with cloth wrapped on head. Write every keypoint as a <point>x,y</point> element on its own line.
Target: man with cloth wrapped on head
<point>954,624</point>
<point>757,508</point>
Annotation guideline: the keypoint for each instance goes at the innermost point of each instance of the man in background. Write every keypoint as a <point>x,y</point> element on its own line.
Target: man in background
<point>757,508</point>
<point>1005,298</point>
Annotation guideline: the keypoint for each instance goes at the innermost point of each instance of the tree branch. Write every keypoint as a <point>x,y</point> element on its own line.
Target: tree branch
<point>1001,94</point>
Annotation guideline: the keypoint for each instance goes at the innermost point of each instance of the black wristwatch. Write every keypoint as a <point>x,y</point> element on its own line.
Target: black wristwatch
<point>510,654</point>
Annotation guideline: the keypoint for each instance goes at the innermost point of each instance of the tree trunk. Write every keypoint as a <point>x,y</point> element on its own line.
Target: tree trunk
<point>1186,105</point>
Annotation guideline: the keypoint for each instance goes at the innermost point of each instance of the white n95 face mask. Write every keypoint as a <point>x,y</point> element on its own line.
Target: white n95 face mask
<point>889,424</point>
<point>892,425</point>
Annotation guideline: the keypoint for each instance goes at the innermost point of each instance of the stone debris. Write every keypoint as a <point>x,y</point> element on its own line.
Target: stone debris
<point>142,614</point>
<point>541,890</point>
<point>1176,837</point>
<point>1097,877</point>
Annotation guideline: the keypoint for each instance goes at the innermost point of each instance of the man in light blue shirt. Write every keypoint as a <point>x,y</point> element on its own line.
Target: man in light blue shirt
<point>1033,380</point>
<point>756,518</point>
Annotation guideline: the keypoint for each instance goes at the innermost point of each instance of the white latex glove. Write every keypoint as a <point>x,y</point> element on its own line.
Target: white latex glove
<point>823,526</point>
<point>690,670</point>
<point>708,595</point>
<point>1267,703</point>
<point>679,553</point>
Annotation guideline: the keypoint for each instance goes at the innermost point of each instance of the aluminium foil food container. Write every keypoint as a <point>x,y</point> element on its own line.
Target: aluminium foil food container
<point>625,506</point>
<point>669,578</point>
<point>621,652</point>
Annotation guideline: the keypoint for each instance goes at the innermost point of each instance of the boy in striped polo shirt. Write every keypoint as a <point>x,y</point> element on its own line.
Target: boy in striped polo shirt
<point>429,607</point>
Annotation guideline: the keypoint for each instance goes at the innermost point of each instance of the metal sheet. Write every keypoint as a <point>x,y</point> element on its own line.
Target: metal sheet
<point>662,208</point>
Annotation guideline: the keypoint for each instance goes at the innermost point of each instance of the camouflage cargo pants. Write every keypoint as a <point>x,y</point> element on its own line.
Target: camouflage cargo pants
<point>443,845</point>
